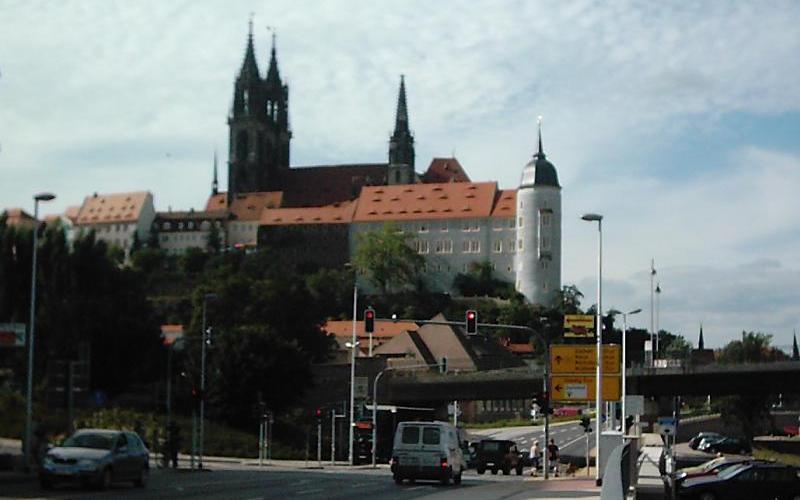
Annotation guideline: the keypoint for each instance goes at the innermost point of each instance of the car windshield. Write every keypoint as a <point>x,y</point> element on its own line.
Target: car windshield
<point>89,440</point>
<point>731,471</point>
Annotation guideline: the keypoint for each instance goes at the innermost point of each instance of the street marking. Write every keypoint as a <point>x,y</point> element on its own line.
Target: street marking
<point>573,442</point>
<point>307,492</point>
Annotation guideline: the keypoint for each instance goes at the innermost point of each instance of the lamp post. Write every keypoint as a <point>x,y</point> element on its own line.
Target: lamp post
<point>354,344</point>
<point>203,341</point>
<point>29,398</point>
<point>624,360</point>
<point>658,310</point>
<point>652,324</point>
<point>599,326</point>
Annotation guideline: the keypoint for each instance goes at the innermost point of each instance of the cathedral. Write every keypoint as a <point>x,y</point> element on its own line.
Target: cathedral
<point>318,211</point>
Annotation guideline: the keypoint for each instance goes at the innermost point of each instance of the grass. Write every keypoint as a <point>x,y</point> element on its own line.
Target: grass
<point>786,458</point>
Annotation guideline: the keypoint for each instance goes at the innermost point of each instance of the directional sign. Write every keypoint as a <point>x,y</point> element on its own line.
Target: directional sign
<point>582,359</point>
<point>578,325</point>
<point>582,388</point>
<point>12,334</point>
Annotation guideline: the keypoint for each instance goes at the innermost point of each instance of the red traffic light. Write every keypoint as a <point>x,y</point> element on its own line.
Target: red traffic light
<point>318,412</point>
<point>472,322</point>
<point>369,320</point>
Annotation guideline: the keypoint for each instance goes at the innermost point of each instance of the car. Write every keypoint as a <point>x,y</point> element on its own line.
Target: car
<point>712,467</point>
<point>695,441</point>
<point>427,450</point>
<point>726,445</point>
<point>747,481</point>
<point>498,455</point>
<point>97,457</point>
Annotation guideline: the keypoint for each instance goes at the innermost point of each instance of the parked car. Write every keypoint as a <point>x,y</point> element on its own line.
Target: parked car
<point>427,450</point>
<point>748,481</point>
<point>496,455</point>
<point>695,441</point>
<point>712,467</point>
<point>97,457</point>
<point>726,445</point>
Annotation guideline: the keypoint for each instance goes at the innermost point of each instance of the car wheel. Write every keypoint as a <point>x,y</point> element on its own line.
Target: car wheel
<point>105,479</point>
<point>480,470</point>
<point>707,496</point>
<point>141,481</point>
<point>494,471</point>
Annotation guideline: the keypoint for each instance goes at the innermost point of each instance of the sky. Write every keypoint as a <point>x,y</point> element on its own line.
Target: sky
<point>677,121</point>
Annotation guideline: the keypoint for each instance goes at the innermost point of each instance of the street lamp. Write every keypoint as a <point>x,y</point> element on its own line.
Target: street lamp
<point>203,341</point>
<point>28,404</point>
<point>624,359</point>
<point>658,310</point>
<point>353,345</point>
<point>599,326</point>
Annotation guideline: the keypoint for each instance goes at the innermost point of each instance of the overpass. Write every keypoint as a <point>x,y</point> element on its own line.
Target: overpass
<point>520,383</point>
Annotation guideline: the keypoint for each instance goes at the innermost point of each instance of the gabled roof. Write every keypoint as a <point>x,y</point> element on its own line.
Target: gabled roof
<point>383,329</point>
<point>505,204</point>
<point>445,170</point>
<point>327,184</point>
<point>71,213</point>
<point>19,217</point>
<point>110,208</point>
<point>218,201</point>
<point>460,200</point>
<point>248,206</point>
<point>338,213</point>
<point>408,342</point>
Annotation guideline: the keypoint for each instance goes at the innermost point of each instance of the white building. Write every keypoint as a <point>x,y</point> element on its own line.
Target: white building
<point>117,219</point>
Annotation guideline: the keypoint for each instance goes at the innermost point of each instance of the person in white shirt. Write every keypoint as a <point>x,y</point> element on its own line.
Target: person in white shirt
<point>534,455</point>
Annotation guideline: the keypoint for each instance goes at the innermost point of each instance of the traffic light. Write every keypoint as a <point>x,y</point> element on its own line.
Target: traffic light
<point>369,320</point>
<point>318,415</point>
<point>472,322</point>
<point>586,423</point>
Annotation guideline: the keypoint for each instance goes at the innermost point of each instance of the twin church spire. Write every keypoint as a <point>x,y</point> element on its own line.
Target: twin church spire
<point>260,133</point>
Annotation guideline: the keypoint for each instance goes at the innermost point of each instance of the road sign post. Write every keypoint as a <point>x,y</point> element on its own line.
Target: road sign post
<point>573,368</point>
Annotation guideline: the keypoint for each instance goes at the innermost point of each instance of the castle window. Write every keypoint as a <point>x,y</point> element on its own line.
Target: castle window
<point>519,245</point>
<point>475,246</point>
<point>497,224</point>
<point>545,217</point>
<point>519,223</point>
<point>511,223</point>
<point>545,242</point>
<point>423,227</point>
<point>167,226</point>
<point>444,227</point>
<point>511,245</point>
<point>497,246</point>
<point>246,101</point>
<point>448,246</point>
<point>544,264</point>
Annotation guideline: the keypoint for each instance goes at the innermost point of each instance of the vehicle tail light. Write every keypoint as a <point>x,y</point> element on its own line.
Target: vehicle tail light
<point>444,462</point>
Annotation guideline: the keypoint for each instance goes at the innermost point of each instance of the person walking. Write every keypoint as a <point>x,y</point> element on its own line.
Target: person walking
<point>534,455</point>
<point>552,456</point>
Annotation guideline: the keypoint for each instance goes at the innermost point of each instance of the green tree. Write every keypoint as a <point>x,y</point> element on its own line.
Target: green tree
<point>673,346</point>
<point>749,413</point>
<point>214,243</point>
<point>386,259</point>
<point>480,281</point>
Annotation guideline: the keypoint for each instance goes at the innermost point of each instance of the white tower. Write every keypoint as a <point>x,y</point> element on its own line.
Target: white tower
<point>538,258</point>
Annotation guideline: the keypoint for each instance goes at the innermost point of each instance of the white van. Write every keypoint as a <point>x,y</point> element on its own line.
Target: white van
<point>427,450</point>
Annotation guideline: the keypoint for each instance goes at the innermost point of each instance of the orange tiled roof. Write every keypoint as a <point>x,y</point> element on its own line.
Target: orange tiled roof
<point>248,206</point>
<point>460,200</point>
<point>384,329</point>
<point>118,207</point>
<point>338,213</point>
<point>72,212</point>
<point>217,201</point>
<point>18,217</point>
<point>445,170</point>
<point>505,204</point>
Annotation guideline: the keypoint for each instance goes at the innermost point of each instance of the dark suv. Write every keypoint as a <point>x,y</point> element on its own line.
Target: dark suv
<point>498,455</point>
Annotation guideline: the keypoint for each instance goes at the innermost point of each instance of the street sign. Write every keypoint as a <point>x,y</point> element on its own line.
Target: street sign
<point>576,388</point>
<point>360,387</point>
<point>579,325</point>
<point>583,358</point>
<point>12,334</point>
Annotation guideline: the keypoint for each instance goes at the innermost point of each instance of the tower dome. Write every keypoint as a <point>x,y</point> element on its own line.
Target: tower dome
<point>539,171</point>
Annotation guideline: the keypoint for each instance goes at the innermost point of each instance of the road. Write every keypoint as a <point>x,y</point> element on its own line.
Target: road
<point>569,436</point>
<point>235,481</point>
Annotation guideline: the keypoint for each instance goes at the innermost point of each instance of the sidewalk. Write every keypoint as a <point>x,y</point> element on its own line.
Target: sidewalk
<point>573,488</point>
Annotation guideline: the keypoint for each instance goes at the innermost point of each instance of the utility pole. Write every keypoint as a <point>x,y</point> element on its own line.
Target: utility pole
<point>333,436</point>
<point>319,442</point>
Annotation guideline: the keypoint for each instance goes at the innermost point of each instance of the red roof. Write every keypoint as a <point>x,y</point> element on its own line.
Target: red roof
<point>248,206</point>
<point>383,329</point>
<point>445,170</point>
<point>505,204</point>
<point>338,213</point>
<point>19,217</point>
<point>217,201</point>
<point>117,207</point>
<point>461,200</point>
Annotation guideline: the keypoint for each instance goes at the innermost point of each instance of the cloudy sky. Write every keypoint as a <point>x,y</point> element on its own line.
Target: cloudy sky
<point>678,123</point>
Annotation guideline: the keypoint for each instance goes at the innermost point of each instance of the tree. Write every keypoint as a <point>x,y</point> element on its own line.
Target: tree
<point>480,281</point>
<point>569,299</point>
<point>386,258</point>
<point>673,346</point>
<point>214,243</point>
<point>750,413</point>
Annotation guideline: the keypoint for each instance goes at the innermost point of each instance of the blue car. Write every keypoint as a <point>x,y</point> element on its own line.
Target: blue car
<point>97,457</point>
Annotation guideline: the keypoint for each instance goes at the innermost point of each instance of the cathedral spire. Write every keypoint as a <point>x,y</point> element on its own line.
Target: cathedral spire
<point>215,182</point>
<point>700,344</point>
<point>795,350</point>
<point>273,75</point>
<point>249,65</point>
<point>401,118</point>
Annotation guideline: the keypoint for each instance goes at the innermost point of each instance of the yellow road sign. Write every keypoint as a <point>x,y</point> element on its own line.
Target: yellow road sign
<point>579,325</point>
<point>582,388</point>
<point>582,359</point>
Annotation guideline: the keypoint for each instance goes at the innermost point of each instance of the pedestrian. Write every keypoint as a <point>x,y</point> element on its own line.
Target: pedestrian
<point>552,455</point>
<point>534,455</point>
<point>174,439</point>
